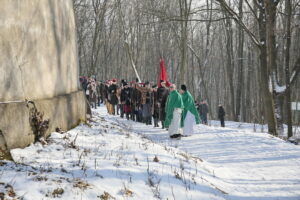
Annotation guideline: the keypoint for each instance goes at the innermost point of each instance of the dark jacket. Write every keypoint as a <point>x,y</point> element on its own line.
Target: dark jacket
<point>162,96</point>
<point>221,112</point>
<point>203,109</point>
<point>105,92</point>
<point>112,90</point>
<point>125,96</point>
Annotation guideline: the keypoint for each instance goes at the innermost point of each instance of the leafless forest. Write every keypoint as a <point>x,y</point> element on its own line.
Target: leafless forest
<point>244,54</point>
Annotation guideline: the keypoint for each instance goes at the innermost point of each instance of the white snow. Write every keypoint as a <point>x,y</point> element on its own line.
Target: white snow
<point>293,76</point>
<point>115,157</point>
<point>280,89</point>
<point>270,84</point>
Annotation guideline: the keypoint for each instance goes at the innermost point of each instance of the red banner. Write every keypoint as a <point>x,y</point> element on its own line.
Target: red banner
<point>163,73</point>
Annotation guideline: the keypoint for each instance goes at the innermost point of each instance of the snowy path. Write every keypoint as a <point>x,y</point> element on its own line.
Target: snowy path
<point>104,161</point>
<point>246,165</point>
<point>112,158</point>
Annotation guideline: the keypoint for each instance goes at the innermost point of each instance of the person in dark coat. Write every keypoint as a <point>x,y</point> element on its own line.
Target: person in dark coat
<point>84,83</point>
<point>155,106</point>
<point>133,101</point>
<point>125,100</point>
<point>139,109</point>
<point>102,92</point>
<point>113,95</point>
<point>98,87</point>
<point>221,115</point>
<point>162,96</point>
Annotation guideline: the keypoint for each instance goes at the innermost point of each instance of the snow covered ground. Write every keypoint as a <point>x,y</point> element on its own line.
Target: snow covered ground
<point>112,158</point>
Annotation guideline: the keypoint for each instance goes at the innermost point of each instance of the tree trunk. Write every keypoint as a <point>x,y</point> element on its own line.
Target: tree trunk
<point>240,83</point>
<point>287,68</point>
<point>271,62</point>
<point>230,67</point>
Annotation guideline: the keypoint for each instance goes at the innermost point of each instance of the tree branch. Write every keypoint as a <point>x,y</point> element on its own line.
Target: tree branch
<point>295,72</point>
<point>236,18</point>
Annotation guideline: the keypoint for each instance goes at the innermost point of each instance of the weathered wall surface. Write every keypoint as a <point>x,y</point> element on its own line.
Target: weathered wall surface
<point>37,49</point>
<point>64,112</point>
<point>38,62</point>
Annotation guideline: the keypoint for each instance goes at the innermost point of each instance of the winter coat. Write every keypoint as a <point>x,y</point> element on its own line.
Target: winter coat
<point>84,84</point>
<point>189,105</point>
<point>162,96</point>
<point>105,92</point>
<point>203,109</point>
<point>102,91</point>
<point>133,98</point>
<point>146,94</point>
<point>174,101</point>
<point>125,96</point>
<point>112,90</point>
<point>221,112</point>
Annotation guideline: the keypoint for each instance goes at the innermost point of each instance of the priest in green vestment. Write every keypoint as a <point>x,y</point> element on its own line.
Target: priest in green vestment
<point>190,115</point>
<point>173,112</point>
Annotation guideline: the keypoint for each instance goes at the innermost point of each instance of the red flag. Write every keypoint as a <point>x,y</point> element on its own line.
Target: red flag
<point>163,73</point>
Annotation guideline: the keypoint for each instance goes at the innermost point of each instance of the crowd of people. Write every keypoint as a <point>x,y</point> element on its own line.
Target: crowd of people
<point>169,108</point>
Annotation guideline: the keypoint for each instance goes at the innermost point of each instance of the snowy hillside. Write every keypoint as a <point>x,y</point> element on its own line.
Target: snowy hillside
<point>113,158</point>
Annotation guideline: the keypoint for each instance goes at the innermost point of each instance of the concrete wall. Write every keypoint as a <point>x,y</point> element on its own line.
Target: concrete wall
<point>38,62</point>
<point>37,49</point>
<point>64,112</point>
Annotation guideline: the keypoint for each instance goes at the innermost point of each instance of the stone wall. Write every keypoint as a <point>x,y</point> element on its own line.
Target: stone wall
<point>38,62</point>
<point>38,54</point>
<point>64,112</point>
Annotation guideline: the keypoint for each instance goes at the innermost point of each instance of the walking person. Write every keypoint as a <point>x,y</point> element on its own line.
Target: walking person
<point>221,115</point>
<point>190,115</point>
<point>173,112</point>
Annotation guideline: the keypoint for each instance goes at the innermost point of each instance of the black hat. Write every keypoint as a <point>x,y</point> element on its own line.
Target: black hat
<point>183,87</point>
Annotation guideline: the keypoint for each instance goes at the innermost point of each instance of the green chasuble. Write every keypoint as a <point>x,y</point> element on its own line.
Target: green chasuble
<point>174,101</point>
<point>189,105</point>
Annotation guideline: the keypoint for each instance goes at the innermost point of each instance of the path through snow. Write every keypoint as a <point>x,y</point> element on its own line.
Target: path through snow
<point>247,165</point>
<point>118,159</point>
